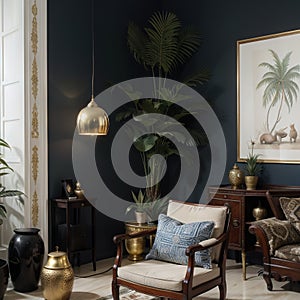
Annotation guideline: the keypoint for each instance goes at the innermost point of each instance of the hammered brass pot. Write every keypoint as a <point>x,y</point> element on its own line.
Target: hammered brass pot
<point>251,182</point>
<point>57,277</point>
<point>135,247</point>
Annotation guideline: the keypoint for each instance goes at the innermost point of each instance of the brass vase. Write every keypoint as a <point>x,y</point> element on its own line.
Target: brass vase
<point>259,213</point>
<point>57,277</point>
<point>236,177</point>
<point>135,247</point>
<point>251,182</point>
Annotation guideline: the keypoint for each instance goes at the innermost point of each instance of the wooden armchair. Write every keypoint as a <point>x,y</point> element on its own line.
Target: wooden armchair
<point>277,237</point>
<point>178,281</point>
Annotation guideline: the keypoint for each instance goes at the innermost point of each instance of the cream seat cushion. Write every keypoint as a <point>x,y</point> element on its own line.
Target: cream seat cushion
<point>199,213</point>
<point>164,275</point>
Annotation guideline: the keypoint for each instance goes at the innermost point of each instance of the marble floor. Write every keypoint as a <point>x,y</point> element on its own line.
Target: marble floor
<point>91,288</point>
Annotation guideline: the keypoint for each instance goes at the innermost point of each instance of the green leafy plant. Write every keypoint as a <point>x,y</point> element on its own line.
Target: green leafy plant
<point>156,207</point>
<point>5,169</point>
<point>162,47</point>
<point>253,167</point>
<point>152,207</point>
<point>140,204</point>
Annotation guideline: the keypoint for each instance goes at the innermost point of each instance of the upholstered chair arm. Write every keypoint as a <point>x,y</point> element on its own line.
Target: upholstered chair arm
<point>273,234</point>
<point>205,244</point>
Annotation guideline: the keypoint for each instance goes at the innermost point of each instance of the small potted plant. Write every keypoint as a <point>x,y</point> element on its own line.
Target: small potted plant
<point>140,206</point>
<point>252,169</point>
<point>156,207</point>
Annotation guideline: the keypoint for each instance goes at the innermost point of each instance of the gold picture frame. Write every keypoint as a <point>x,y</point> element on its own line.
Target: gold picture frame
<point>268,85</point>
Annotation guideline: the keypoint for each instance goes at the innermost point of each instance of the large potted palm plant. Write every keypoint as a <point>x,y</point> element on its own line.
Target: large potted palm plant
<point>162,47</point>
<point>5,169</point>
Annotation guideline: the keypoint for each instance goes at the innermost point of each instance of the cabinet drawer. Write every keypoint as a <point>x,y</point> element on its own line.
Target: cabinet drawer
<point>227,196</point>
<point>235,238</point>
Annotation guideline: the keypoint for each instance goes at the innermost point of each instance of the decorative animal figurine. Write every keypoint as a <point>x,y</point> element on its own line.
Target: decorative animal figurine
<point>268,138</point>
<point>281,134</point>
<point>293,133</point>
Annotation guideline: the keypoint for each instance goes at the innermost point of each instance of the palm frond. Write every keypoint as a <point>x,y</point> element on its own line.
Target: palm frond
<point>3,162</point>
<point>124,115</point>
<point>189,41</point>
<point>10,193</point>
<point>3,143</point>
<point>163,40</point>
<point>4,168</point>
<point>137,40</point>
<point>197,78</point>
<point>3,212</point>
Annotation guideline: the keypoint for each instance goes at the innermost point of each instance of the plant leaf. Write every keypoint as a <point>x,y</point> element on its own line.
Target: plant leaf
<point>145,143</point>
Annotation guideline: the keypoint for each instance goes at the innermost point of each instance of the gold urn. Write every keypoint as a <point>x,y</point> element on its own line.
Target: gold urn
<point>57,277</point>
<point>236,177</point>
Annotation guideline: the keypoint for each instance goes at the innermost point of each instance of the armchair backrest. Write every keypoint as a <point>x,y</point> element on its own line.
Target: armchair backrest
<point>194,212</point>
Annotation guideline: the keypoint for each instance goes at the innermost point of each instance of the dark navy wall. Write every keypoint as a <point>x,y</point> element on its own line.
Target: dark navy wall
<point>69,81</point>
<point>69,70</point>
<point>222,23</point>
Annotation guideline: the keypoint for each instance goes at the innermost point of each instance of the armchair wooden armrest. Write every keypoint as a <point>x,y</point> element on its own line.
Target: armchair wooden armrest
<point>205,244</point>
<point>262,239</point>
<point>191,250</point>
<point>118,240</point>
<point>125,236</point>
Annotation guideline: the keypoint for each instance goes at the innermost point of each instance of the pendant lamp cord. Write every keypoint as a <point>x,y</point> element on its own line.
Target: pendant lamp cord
<point>93,49</point>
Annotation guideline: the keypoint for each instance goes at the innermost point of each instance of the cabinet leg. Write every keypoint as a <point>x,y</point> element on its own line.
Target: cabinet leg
<point>244,264</point>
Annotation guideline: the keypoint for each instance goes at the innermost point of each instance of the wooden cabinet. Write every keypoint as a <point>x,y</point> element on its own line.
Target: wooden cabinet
<point>242,202</point>
<point>237,212</point>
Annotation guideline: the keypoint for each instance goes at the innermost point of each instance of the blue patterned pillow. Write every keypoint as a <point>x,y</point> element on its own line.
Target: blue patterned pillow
<point>173,237</point>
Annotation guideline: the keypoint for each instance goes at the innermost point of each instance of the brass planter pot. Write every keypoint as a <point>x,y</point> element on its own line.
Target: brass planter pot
<point>136,247</point>
<point>57,277</point>
<point>259,213</point>
<point>251,182</point>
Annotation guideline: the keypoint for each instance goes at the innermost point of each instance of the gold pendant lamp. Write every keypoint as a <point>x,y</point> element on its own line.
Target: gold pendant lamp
<point>92,120</point>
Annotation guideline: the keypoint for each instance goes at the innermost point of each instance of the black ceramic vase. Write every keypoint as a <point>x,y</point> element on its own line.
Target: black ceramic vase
<point>4,273</point>
<point>25,259</point>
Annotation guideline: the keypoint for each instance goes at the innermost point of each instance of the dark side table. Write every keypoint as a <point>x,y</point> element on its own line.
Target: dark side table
<point>72,235</point>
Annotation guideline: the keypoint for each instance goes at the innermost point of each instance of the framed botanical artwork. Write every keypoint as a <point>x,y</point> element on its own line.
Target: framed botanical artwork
<point>268,97</point>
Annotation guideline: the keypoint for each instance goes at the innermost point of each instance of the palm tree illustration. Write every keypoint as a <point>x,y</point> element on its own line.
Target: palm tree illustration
<point>280,86</point>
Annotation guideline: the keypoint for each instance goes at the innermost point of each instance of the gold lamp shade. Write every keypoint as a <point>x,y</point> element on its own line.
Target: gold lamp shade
<point>92,120</point>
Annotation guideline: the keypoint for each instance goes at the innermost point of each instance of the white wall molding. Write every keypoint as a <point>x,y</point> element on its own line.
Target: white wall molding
<point>36,206</point>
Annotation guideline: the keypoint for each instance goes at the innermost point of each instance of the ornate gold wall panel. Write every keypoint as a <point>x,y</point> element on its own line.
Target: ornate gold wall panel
<point>35,114</point>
